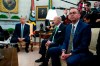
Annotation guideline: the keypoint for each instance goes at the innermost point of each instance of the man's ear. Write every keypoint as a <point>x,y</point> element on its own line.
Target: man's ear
<point>79,15</point>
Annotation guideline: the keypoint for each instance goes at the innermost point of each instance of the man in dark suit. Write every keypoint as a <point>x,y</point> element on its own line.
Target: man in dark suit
<point>96,7</point>
<point>92,14</point>
<point>55,40</point>
<point>75,46</point>
<point>21,33</point>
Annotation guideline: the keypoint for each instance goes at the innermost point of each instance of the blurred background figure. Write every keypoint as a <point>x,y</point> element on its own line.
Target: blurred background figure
<point>81,4</point>
<point>65,17</point>
<point>96,8</point>
<point>1,34</point>
<point>47,25</point>
<point>91,14</point>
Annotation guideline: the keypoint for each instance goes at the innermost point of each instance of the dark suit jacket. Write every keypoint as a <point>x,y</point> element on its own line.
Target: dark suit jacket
<point>65,20</point>
<point>4,34</point>
<point>59,36</point>
<point>92,16</point>
<point>95,10</point>
<point>17,33</point>
<point>81,39</point>
<point>63,17</point>
<point>1,34</point>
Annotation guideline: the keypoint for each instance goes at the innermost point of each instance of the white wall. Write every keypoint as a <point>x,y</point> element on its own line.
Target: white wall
<point>24,7</point>
<point>56,3</point>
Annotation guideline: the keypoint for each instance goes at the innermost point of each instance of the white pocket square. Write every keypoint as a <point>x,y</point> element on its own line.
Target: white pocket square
<point>59,31</point>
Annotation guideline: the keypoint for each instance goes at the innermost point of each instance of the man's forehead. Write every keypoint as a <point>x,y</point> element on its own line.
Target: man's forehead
<point>73,10</point>
<point>85,4</point>
<point>22,18</point>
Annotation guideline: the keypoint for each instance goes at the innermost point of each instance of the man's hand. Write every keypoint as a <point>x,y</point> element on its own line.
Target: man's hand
<point>21,39</point>
<point>48,43</point>
<point>65,56</point>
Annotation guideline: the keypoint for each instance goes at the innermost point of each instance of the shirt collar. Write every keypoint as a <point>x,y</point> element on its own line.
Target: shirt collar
<point>65,15</point>
<point>75,24</point>
<point>22,24</point>
<point>58,25</point>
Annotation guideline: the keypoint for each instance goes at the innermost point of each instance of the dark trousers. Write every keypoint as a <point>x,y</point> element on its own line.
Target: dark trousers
<point>73,60</point>
<point>55,53</point>
<point>44,52</point>
<point>15,40</point>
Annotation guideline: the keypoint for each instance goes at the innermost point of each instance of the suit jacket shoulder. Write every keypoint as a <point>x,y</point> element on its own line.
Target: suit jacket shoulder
<point>62,26</point>
<point>59,36</point>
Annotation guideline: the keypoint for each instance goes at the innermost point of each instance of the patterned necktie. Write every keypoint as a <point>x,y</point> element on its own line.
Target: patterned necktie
<point>22,28</point>
<point>54,33</point>
<point>70,46</point>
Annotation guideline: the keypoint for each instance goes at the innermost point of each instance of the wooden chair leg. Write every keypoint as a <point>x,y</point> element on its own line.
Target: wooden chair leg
<point>31,46</point>
<point>6,46</point>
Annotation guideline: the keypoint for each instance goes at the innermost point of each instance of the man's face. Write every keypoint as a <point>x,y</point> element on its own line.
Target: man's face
<point>65,11</point>
<point>96,4</point>
<point>55,21</point>
<point>87,8</point>
<point>22,20</point>
<point>74,15</point>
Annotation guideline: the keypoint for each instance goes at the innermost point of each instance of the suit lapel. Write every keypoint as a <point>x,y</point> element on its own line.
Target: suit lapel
<point>69,31</point>
<point>59,28</point>
<point>77,29</point>
<point>20,28</point>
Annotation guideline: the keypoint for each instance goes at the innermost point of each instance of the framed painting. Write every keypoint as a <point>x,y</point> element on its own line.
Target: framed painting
<point>41,12</point>
<point>9,6</point>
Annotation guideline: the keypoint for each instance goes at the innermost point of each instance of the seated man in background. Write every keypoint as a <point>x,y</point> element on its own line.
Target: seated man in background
<point>55,40</point>
<point>21,33</point>
<point>64,17</point>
